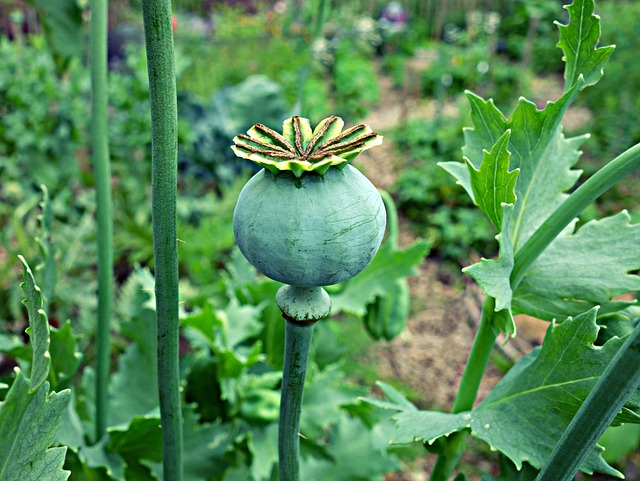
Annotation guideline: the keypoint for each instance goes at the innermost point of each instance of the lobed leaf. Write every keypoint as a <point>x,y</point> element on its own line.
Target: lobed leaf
<point>583,269</point>
<point>493,184</point>
<point>525,415</point>
<point>544,158</point>
<point>579,40</point>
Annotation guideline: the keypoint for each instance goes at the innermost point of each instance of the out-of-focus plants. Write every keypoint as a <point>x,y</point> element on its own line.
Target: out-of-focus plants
<point>438,210</point>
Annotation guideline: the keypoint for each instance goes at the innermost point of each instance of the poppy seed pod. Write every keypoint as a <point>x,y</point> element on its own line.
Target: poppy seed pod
<point>308,218</point>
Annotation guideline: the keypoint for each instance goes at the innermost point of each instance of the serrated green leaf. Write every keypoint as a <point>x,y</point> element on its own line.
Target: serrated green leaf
<point>583,269</point>
<point>28,422</point>
<point>38,328</point>
<point>387,266</point>
<point>545,159</point>
<point>493,184</point>
<point>538,148</point>
<point>579,40</point>
<point>517,417</point>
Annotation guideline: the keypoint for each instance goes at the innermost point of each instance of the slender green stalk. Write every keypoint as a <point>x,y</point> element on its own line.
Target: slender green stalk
<point>468,390</point>
<point>478,359</point>
<point>583,196</point>
<point>102,174</point>
<point>296,356</point>
<point>618,382</point>
<point>164,120</point>
<point>301,307</point>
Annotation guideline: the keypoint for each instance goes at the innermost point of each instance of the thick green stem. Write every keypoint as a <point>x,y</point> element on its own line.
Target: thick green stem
<point>583,196</point>
<point>164,120</point>
<point>296,356</point>
<point>102,175</point>
<point>301,307</point>
<point>618,382</point>
<point>468,390</point>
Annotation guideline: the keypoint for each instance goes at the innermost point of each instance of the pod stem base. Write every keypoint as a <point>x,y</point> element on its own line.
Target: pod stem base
<point>301,307</point>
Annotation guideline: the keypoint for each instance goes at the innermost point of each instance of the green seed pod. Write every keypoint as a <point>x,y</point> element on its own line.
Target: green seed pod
<point>308,218</point>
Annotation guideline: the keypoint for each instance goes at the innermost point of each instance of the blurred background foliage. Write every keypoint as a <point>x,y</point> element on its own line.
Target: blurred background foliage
<point>240,62</point>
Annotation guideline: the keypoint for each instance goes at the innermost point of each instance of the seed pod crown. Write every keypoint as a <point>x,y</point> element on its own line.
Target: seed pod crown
<point>299,149</point>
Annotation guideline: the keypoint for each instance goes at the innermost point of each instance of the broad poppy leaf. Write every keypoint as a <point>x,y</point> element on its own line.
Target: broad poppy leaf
<point>524,416</point>
<point>583,269</point>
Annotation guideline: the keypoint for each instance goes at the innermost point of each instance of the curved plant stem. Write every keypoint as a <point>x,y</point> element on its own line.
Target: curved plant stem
<point>301,307</point>
<point>583,196</point>
<point>618,382</point>
<point>468,390</point>
<point>102,175</point>
<point>164,121</point>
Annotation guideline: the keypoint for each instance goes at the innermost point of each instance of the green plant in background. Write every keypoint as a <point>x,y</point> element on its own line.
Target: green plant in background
<point>308,219</point>
<point>62,24</point>
<point>438,211</point>
<point>516,170</point>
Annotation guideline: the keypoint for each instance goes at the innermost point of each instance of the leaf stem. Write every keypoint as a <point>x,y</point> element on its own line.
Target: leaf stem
<point>164,145</point>
<point>102,175</point>
<point>581,198</point>
<point>617,383</point>
<point>468,390</point>
<point>301,307</point>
